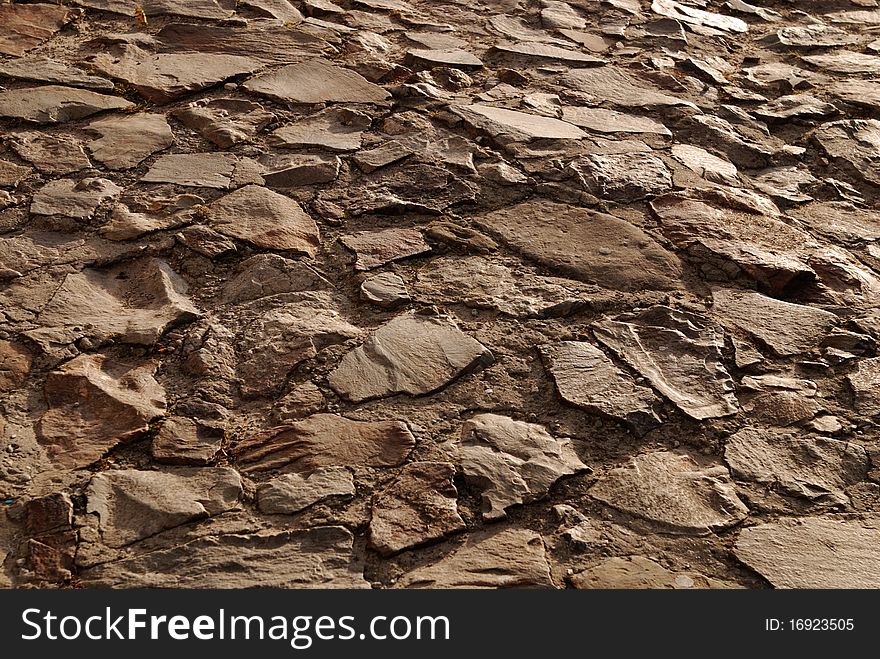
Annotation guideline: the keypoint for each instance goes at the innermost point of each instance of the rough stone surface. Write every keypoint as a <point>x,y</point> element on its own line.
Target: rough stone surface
<point>512,462</point>
<point>326,440</point>
<point>94,403</point>
<point>412,354</point>
<point>125,142</point>
<point>317,81</point>
<point>509,558</point>
<point>820,552</point>
<point>692,375</point>
<point>291,493</point>
<point>593,247</point>
<point>674,491</point>
<point>586,377</point>
<point>420,506</point>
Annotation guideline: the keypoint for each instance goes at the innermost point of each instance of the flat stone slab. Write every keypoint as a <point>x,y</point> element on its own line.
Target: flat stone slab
<point>266,219</point>
<point>679,353</point>
<point>417,508</point>
<point>292,493</point>
<point>376,248</point>
<point>322,557</point>
<point>198,170</point>
<point>587,378</point>
<point>44,69</point>
<point>593,247</point>
<point>865,383</point>
<point>52,104</point>
<point>673,490</point>
<point>124,142</point>
<point>601,120</point>
<point>412,354</point>
<point>814,468</point>
<point>508,558</point>
<point>326,440</point>
<point>819,552</point>
<point>75,199</point>
<point>317,81</point>
<point>516,126</point>
<point>27,26</point>
<point>512,462</point>
<point>131,505</point>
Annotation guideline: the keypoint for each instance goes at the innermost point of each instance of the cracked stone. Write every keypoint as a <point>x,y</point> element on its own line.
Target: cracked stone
<point>512,462</point>
<point>52,104</point>
<point>326,440</point>
<point>673,490</point>
<point>587,378</point>
<point>292,493</point>
<point>376,248</point>
<point>125,142</point>
<point>75,199</point>
<point>417,508</point>
<point>317,81</point>
<point>412,354</point>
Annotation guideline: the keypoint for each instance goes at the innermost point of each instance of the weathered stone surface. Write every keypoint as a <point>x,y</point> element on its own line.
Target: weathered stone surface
<point>729,245</point>
<point>787,329</point>
<point>137,214</point>
<point>638,572</point>
<point>276,341</point>
<point>600,120</point>
<point>693,16</point>
<point>326,440</point>
<point>94,404</point>
<point>707,165</point>
<point>417,508</point>
<point>547,51</point>
<point>165,77</point>
<point>11,174</point>
<point>680,355</point>
<point>75,199</point>
<point>134,302</point>
<point>412,354</point>
<point>50,154</point>
<point>840,222</point>
<point>623,177</point>
<point>803,106</point>
<point>616,86</point>
<point>15,364</point>
<point>124,142</point>
<point>317,81</point>
<point>292,170</point>
<point>225,121</point>
<point>517,126</point>
<point>27,26</point>
<point>586,377</point>
<point>594,247</point>
<point>199,170</point>
<point>821,552</point>
<point>484,284</point>
<point>512,462</point>
<point>44,69</point>
<point>183,441</point>
<point>264,275</point>
<point>131,505</point>
<point>317,558</point>
<point>190,8</point>
<point>376,248</point>
<point>420,188</point>
<point>292,493</point>
<point>814,468</point>
<point>52,104</point>
<point>336,129</point>
<point>779,401</point>
<point>817,35</point>
<point>386,290</point>
<point>857,143</point>
<point>509,558</point>
<point>865,383</point>
<point>861,93</point>
<point>455,57</point>
<point>266,219</point>
<point>673,490</point>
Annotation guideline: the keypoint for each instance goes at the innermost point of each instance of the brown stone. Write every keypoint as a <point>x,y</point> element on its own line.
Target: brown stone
<point>291,493</point>
<point>419,507</point>
<point>412,354</point>
<point>376,248</point>
<point>15,364</point>
<point>594,247</point>
<point>674,491</point>
<point>506,558</point>
<point>52,104</point>
<point>27,26</point>
<point>182,441</point>
<point>316,81</point>
<point>512,462</point>
<point>326,440</point>
<point>124,142</point>
<point>94,404</point>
